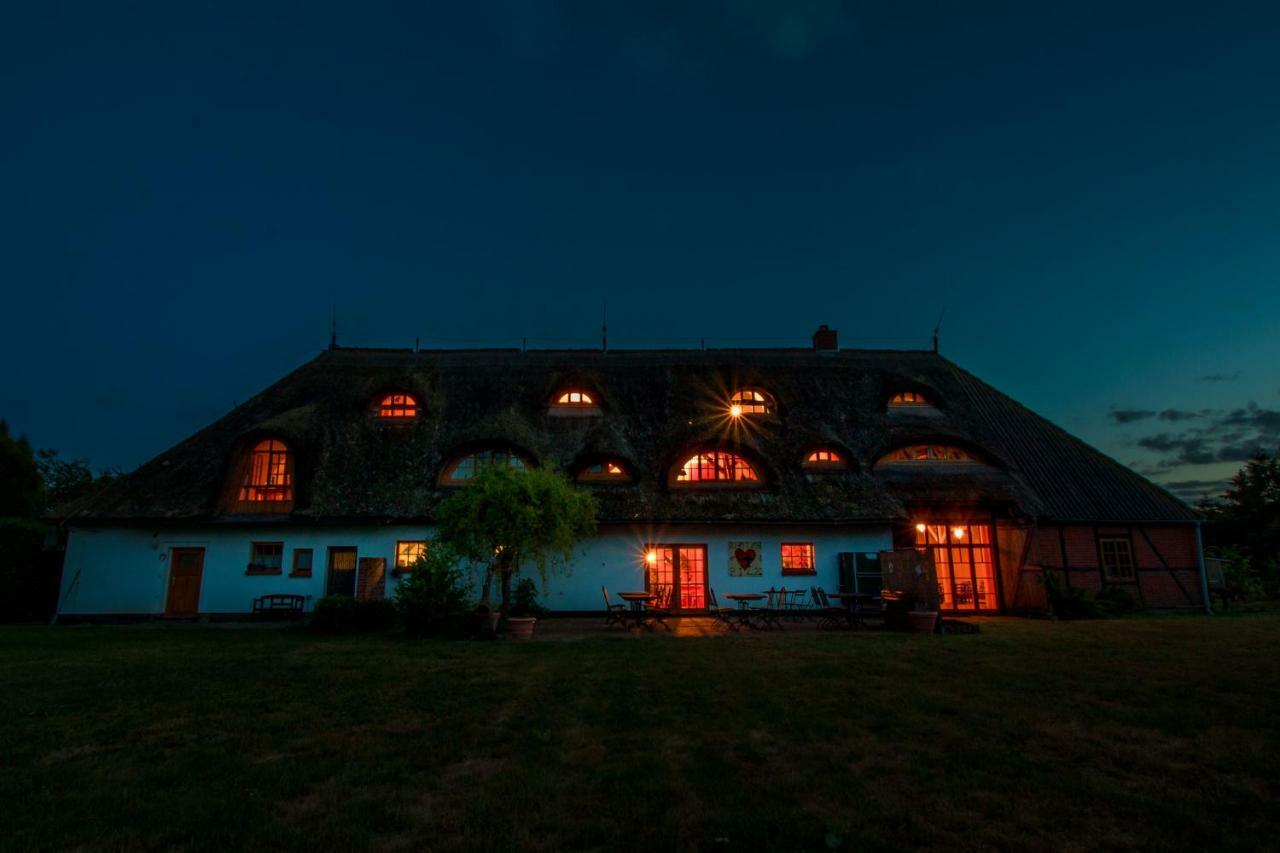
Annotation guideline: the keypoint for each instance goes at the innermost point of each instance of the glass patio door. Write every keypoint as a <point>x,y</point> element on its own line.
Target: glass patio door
<point>962,555</point>
<point>684,569</point>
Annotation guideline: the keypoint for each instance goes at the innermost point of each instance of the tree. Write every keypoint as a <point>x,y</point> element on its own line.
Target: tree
<point>507,517</point>
<point>21,492</point>
<point>1248,516</point>
<point>66,481</point>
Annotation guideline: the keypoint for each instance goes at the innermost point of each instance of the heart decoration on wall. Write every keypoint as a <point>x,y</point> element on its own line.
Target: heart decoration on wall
<point>744,560</point>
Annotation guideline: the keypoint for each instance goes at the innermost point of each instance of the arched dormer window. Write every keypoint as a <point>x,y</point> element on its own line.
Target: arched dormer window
<point>575,397</point>
<point>929,453</point>
<point>397,407</point>
<point>825,459</point>
<point>269,476</point>
<point>750,401</point>
<point>716,466</point>
<point>607,471</point>
<point>909,398</point>
<point>464,469</point>
<point>575,402</point>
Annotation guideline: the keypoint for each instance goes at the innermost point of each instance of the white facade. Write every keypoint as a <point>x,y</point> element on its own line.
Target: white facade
<point>125,570</point>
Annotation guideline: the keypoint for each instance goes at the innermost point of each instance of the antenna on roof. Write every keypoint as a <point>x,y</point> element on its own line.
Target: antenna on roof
<point>604,325</point>
<point>938,328</point>
<point>333,327</point>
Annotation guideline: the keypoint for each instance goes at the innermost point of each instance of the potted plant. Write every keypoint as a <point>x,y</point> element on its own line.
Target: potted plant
<point>525,610</point>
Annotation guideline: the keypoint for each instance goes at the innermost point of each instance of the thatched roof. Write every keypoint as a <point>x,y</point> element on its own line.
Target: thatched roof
<point>657,406</point>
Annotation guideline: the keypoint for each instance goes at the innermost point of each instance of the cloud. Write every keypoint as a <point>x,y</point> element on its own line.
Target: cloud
<point>1220,377</point>
<point>1193,490</point>
<point>1214,435</point>
<point>1128,416</point>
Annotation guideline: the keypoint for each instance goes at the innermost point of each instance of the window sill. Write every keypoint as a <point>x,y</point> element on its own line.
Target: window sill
<point>399,572</point>
<point>291,574</point>
<point>252,571</point>
<point>799,573</point>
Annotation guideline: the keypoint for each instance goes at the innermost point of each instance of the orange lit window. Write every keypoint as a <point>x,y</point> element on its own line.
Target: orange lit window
<point>575,398</point>
<point>610,471</point>
<point>751,402</point>
<point>717,466</point>
<point>409,552</point>
<point>962,557</point>
<point>270,474</point>
<point>396,407</point>
<point>824,458</point>
<point>797,558</point>
<point>465,469</point>
<point>928,453</point>
<point>909,398</point>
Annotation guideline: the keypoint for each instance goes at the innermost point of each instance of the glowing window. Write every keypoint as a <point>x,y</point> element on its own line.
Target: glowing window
<point>398,407</point>
<point>575,398</point>
<point>465,469</point>
<point>963,559</point>
<point>750,402</point>
<point>929,453</point>
<point>270,474</point>
<point>824,458</point>
<point>409,552</point>
<point>909,398</point>
<point>605,471</point>
<point>719,466</point>
<point>797,558</point>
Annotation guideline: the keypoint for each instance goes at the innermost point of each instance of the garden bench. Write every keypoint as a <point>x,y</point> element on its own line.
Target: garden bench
<point>278,606</point>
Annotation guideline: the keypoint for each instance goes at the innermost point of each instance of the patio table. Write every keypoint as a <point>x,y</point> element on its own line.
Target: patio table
<point>744,600</point>
<point>638,600</point>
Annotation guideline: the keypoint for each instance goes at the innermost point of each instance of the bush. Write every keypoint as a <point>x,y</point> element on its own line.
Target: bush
<point>342,614</point>
<point>524,599</point>
<point>1075,603</point>
<point>1239,574</point>
<point>27,575</point>
<point>436,595</point>
<point>1116,601</point>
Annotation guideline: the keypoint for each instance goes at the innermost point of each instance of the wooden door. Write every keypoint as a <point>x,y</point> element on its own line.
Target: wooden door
<point>342,572</point>
<point>186,568</point>
<point>372,582</point>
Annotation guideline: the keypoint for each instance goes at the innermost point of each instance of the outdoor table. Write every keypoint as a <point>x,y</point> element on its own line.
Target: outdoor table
<point>638,600</point>
<point>744,600</point>
<point>851,600</point>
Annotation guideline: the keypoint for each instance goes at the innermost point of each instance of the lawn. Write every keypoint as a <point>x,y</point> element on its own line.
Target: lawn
<point>1146,732</point>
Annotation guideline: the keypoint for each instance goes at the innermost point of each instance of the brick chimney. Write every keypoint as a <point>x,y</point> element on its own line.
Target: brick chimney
<point>824,340</point>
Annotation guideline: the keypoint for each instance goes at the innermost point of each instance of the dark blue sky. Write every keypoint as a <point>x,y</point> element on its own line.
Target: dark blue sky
<point>1092,192</point>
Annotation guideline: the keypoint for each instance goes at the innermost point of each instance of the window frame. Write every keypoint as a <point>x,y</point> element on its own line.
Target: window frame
<point>765,406</point>
<point>754,482</point>
<point>295,570</point>
<point>966,456</point>
<point>792,571</point>
<point>585,474</point>
<point>276,481</point>
<point>922,399</point>
<point>1108,568</point>
<point>262,568</point>
<point>447,480</point>
<point>397,568</point>
<point>408,406</point>
<point>588,400</point>
<point>839,463</point>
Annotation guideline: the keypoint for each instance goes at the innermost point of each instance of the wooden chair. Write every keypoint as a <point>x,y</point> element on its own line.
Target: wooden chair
<point>770,614</point>
<point>724,615</point>
<point>829,616</point>
<point>614,614</point>
<point>660,608</point>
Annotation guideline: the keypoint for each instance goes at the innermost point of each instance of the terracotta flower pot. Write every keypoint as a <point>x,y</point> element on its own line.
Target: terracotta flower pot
<point>923,621</point>
<point>521,627</point>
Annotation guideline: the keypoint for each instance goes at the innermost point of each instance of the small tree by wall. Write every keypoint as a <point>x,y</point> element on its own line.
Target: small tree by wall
<point>507,518</point>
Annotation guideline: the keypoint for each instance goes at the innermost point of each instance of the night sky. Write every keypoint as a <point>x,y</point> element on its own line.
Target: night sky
<point>1092,192</point>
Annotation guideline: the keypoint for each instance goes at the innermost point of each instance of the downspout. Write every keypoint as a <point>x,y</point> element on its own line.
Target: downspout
<point>1204,578</point>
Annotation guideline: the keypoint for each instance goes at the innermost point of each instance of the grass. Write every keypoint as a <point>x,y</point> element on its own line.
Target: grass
<point>1149,732</point>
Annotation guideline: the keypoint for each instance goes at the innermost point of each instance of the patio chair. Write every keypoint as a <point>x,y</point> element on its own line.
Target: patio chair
<point>660,608</point>
<point>797,605</point>
<point>829,616</point>
<point>724,615</point>
<point>614,614</point>
<point>770,613</point>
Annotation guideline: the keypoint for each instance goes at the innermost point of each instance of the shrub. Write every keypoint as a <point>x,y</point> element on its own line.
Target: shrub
<point>524,599</point>
<point>436,593</point>
<point>1116,601</point>
<point>29,579</point>
<point>1239,574</point>
<point>1071,602</point>
<point>342,614</point>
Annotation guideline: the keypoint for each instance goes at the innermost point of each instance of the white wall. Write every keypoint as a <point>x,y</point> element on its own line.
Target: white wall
<point>126,570</point>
